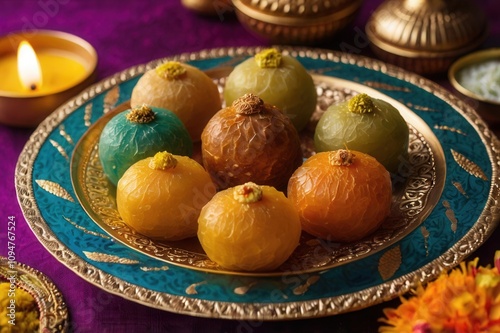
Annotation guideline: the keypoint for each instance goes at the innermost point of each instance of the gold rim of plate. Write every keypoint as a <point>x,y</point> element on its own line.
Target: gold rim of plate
<point>417,189</point>
<point>53,313</point>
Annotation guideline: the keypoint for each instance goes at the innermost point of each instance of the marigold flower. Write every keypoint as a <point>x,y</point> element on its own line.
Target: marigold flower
<point>465,300</point>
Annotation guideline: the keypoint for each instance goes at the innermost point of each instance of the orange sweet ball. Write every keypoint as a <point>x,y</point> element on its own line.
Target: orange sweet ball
<point>161,197</point>
<point>341,195</point>
<point>249,228</point>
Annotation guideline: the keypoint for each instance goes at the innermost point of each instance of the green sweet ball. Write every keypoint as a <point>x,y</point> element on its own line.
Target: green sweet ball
<point>129,137</point>
<point>287,86</point>
<point>375,128</point>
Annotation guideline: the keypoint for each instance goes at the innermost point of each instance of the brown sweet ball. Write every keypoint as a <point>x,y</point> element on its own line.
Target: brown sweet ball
<point>183,89</point>
<point>250,141</point>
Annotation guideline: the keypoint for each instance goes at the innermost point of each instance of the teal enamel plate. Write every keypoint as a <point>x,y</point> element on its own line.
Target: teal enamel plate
<point>444,202</point>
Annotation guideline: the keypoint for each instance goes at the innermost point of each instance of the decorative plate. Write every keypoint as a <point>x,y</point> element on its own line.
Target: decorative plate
<point>53,313</point>
<point>444,202</point>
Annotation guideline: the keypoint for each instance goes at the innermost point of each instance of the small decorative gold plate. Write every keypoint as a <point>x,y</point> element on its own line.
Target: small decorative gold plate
<point>51,306</point>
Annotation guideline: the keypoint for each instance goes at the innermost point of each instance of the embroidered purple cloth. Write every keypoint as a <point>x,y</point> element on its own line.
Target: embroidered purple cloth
<point>128,33</point>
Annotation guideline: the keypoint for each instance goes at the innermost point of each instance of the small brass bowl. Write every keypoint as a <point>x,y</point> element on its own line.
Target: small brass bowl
<point>25,110</point>
<point>304,22</point>
<point>425,36</point>
<point>488,108</point>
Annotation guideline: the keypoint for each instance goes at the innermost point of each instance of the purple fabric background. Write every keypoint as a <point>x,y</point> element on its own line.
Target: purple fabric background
<point>126,33</point>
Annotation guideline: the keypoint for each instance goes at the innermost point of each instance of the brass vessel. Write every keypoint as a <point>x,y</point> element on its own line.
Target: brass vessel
<point>208,7</point>
<point>426,36</point>
<point>20,110</point>
<point>304,22</point>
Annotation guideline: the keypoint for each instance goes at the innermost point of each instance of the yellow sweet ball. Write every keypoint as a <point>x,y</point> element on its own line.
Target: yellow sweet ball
<point>249,228</point>
<point>183,89</point>
<point>161,197</point>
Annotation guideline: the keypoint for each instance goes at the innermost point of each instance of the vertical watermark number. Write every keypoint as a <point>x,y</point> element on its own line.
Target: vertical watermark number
<point>12,273</point>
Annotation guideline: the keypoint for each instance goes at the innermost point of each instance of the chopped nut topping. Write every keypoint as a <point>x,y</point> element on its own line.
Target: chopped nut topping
<point>361,103</point>
<point>247,193</point>
<point>269,58</point>
<point>163,161</point>
<point>341,157</point>
<point>171,70</point>
<point>141,114</point>
<point>248,104</point>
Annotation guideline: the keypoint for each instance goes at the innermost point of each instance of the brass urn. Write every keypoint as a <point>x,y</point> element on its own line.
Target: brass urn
<point>209,7</point>
<point>425,36</point>
<point>304,22</point>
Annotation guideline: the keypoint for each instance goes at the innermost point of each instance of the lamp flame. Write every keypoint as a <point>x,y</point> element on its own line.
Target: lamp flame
<point>28,67</point>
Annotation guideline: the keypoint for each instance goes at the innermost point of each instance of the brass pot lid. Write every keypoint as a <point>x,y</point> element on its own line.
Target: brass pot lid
<point>427,27</point>
<point>292,12</point>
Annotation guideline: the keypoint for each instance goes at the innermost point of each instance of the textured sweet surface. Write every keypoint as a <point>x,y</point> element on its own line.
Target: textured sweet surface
<point>250,141</point>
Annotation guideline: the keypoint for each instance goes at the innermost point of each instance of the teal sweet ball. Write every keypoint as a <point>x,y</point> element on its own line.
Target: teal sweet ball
<point>138,133</point>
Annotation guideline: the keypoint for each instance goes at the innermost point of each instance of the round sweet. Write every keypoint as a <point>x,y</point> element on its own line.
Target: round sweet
<point>185,90</point>
<point>365,124</point>
<point>161,197</point>
<point>249,228</point>
<point>250,141</point>
<point>341,196</point>
<point>279,80</point>
<point>135,134</point>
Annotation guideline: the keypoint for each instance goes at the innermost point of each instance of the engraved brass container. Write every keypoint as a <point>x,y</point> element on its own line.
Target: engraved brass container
<point>208,7</point>
<point>489,109</point>
<point>425,36</point>
<point>303,22</point>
